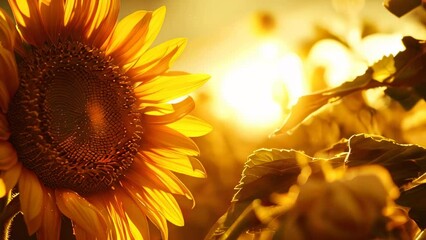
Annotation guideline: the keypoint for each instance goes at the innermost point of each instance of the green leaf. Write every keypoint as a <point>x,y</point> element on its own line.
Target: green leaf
<point>407,97</point>
<point>264,168</point>
<point>415,198</point>
<point>408,83</point>
<point>409,63</point>
<point>266,171</point>
<point>308,104</point>
<point>401,7</point>
<point>246,220</point>
<point>336,151</point>
<point>421,90</point>
<point>384,68</point>
<point>405,162</point>
<point>409,72</point>
<point>270,171</point>
<point>419,217</point>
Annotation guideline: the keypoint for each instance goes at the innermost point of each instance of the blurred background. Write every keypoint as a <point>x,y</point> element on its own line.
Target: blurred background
<point>263,55</point>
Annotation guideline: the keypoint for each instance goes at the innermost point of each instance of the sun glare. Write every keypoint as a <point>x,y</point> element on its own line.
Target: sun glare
<point>375,46</point>
<point>340,64</point>
<point>256,92</point>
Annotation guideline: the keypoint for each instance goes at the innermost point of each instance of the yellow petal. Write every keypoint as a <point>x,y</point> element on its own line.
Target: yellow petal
<point>80,233</point>
<point>4,98</point>
<point>134,34</point>
<point>79,15</point>
<point>135,229</point>
<point>8,156</point>
<point>126,39</point>
<point>103,23</point>
<point>28,21</point>
<point>191,126</point>
<point>2,188</point>
<point>179,111</point>
<point>138,225</point>
<point>4,128</point>
<point>158,59</point>
<point>153,214</point>
<point>9,80</point>
<point>179,163</point>
<point>111,206</point>
<point>9,36</point>
<point>160,136</point>
<point>52,16</point>
<point>145,173</point>
<point>31,199</point>
<point>161,109</point>
<point>165,203</point>
<point>80,211</point>
<point>11,176</point>
<point>7,31</point>
<point>120,224</point>
<point>101,201</point>
<point>51,218</point>
<point>154,28</point>
<point>169,87</point>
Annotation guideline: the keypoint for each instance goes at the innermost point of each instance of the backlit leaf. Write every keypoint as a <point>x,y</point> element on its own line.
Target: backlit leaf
<point>384,68</point>
<point>415,199</point>
<point>266,171</point>
<point>267,167</point>
<point>405,162</point>
<point>401,7</point>
<point>409,72</point>
<point>407,97</point>
<point>308,104</point>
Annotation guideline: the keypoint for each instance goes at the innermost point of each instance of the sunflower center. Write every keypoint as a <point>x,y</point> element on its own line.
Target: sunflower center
<point>74,120</point>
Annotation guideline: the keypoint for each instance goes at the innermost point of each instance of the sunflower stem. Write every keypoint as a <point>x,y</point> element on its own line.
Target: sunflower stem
<point>6,216</point>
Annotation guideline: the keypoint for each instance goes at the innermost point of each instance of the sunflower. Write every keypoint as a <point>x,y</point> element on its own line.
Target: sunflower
<point>91,125</point>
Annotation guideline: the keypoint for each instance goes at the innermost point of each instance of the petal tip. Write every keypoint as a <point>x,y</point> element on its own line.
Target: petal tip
<point>160,11</point>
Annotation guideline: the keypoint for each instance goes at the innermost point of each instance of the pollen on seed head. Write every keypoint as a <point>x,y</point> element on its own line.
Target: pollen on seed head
<point>97,116</point>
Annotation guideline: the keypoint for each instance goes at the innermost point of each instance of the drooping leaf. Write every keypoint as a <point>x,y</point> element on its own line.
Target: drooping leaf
<point>409,64</point>
<point>409,72</point>
<point>407,97</point>
<point>415,198</point>
<point>263,169</point>
<point>266,171</point>
<point>384,68</point>
<point>244,221</point>
<point>401,7</point>
<point>421,90</point>
<point>419,217</point>
<point>335,151</point>
<point>308,104</point>
<point>405,162</point>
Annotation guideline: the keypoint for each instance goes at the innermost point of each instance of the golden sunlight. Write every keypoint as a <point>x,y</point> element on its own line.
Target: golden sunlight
<point>172,120</point>
<point>339,62</point>
<point>258,90</point>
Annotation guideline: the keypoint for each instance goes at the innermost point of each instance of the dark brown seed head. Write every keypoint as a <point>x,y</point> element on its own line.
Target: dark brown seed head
<point>74,120</point>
